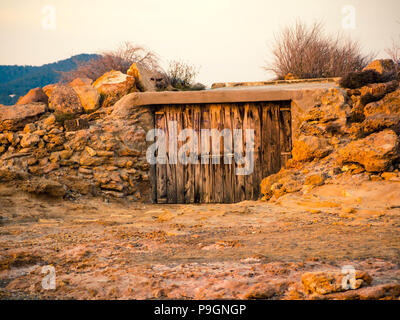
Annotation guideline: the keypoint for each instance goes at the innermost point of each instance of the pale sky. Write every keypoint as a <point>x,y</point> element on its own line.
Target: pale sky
<point>229,40</point>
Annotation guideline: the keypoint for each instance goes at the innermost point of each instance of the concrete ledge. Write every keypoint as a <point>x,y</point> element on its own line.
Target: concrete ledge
<point>218,85</point>
<point>228,95</point>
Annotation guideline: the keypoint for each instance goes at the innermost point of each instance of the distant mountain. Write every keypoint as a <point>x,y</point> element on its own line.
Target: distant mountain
<point>16,81</point>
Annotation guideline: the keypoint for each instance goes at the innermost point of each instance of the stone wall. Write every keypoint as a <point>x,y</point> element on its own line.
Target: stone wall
<point>107,158</point>
<point>341,136</point>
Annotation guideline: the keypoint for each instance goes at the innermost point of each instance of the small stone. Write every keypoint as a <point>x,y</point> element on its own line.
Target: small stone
<point>315,180</point>
<point>29,128</point>
<point>66,154</point>
<point>91,152</point>
<point>51,120</point>
<point>30,140</point>
<point>54,157</point>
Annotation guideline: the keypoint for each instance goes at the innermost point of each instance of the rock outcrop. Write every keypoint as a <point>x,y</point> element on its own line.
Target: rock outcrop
<point>346,132</point>
<point>14,118</point>
<point>34,95</point>
<point>113,85</point>
<point>88,95</point>
<point>98,153</point>
<point>64,101</point>
<point>323,283</point>
<point>376,152</point>
<point>381,66</point>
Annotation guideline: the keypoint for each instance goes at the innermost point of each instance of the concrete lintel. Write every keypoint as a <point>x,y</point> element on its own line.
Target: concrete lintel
<point>213,96</point>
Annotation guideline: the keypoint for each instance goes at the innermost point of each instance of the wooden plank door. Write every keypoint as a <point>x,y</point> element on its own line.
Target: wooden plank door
<point>214,179</point>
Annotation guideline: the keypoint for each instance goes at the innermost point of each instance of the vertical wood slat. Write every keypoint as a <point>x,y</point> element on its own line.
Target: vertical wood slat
<point>257,173</point>
<point>239,179</point>
<point>228,168</point>
<point>285,132</point>
<point>216,123</point>
<point>197,167</point>
<point>180,171</point>
<point>205,196</point>
<point>266,138</point>
<point>170,116</point>
<point>188,168</point>
<point>153,173</point>
<point>247,124</point>
<point>275,140</point>
<point>161,168</point>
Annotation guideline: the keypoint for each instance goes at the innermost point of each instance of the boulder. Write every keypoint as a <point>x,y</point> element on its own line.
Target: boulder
<point>49,89</point>
<point>383,114</point>
<point>376,91</point>
<point>88,96</point>
<point>325,282</point>
<point>382,66</point>
<point>390,104</point>
<point>327,117</point>
<point>143,77</point>
<point>308,148</point>
<point>376,152</point>
<point>381,121</point>
<point>34,95</point>
<point>42,186</point>
<point>14,118</point>
<point>113,85</point>
<point>64,100</point>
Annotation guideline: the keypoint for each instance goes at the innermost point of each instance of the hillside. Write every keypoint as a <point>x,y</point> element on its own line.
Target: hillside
<point>18,80</point>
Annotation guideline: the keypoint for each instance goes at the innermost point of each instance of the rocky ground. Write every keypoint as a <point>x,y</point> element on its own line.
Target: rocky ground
<point>290,248</point>
<point>75,185</point>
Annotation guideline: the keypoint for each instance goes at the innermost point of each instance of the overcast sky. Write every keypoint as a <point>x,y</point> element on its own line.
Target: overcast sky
<point>228,39</point>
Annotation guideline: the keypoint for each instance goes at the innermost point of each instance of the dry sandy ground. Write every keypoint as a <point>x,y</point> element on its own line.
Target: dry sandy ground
<point>118,250</point>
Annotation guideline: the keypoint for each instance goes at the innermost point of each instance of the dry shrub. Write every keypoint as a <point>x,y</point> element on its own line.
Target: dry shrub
<point>181,75</point>
<point>309,52</point>
<point>358,79</point>
<point>119,60</point>
<point>394,53</point>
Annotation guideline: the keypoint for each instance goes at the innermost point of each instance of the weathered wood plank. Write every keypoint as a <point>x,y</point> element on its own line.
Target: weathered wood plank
<point>237,121</point>
<point>170,115</point>
<point>285,132</point>
<point>275,144</point>
<point>189,179</point>
<point>228,166</point>
<point>205,191</point>
<point>197,167</point>
<point>161,168</point>
<point>153,174</point>
<point>180,171</point>
<point>257,172</point>
<point>248,123</point>
<point>216,123</point>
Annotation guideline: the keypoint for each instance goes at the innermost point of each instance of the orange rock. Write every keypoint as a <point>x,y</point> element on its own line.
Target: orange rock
<point>34,95</point>
<point>87,94</point>
<point>307,148</point>
<point>64,100</point>
<point>290,76</point>
<point>49,89</point>
<point>375,152</point>
<point>325,282</point>
<point>113,85</point>
<point>381,66</point>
